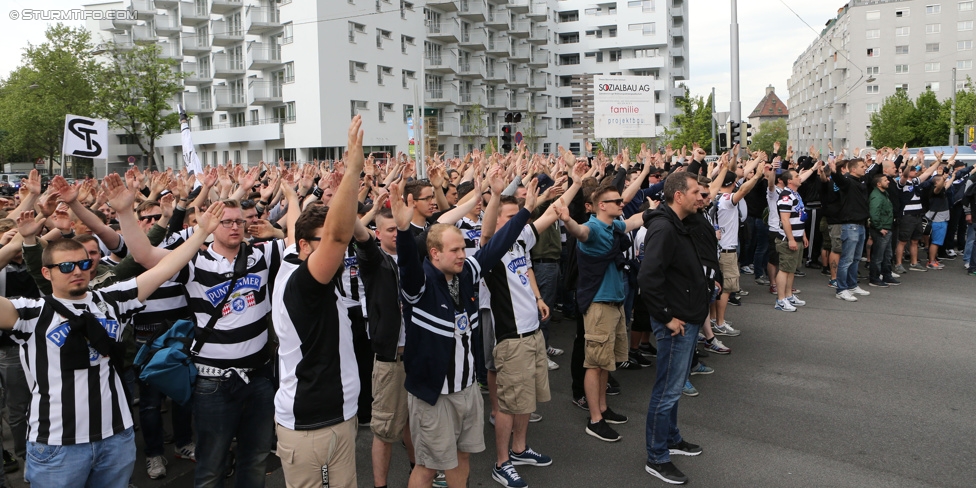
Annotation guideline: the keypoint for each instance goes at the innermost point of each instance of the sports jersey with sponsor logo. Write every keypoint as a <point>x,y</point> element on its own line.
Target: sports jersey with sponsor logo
<point>790,202</point>
<point>74,406</point>
<point>513,306</point>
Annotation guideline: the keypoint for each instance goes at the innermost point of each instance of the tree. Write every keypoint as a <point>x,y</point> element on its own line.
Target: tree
<point>137,93</point>
<point>55,78</point>
<point>931,129</point>
<point>770,132</point>
<point>692,124</point>
<point>965,110</point>
<point>474,123</point>
<point>894,124</point>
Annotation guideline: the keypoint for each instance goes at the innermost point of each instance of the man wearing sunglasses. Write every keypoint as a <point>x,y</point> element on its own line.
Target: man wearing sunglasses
<point>70,340</point>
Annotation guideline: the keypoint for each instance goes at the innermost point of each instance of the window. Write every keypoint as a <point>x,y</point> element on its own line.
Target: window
<point>357,106</point>
<point>648,28</point>
<point>404,42</point>
<point>872,33</point>
<point>404,6</point>
<point>612,32</point>
<point>646,53</point>
<point>599,57</point>
<point>615,55</point>
<point>964,7</point>
<point>289,33</point>
<point>382,35</point>
<point>407,112</point>
<point>903,31</point>
<point>964,64</point>
<point>901,87</point>
<point>873,15</point>
<point>933,9</point>
<point>384,108</point>
<point>964,45</point>
<point>872,70</point>
<point>873,89</point>
<point>901,69</point>
<point>565,59</point>
<point>354,67</point>
<point>903,12</point>
<point>874,52</point>
<point>572,16</point>
<point>932,67</point>
<point>289,72</point>
<point>901,49</point>
<point>381,73</point>
<point>965,25</point>
<point>932,85</point>
<point>933,28</point>
<point>932,47</point>
<point>407,75</point>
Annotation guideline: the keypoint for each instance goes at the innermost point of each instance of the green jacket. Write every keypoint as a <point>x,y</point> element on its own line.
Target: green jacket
<point>882,213</point>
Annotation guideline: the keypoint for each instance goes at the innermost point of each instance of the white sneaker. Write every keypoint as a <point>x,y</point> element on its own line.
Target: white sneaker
<point>554,351</point>
<point>895,275</point>
<point>857,290</point>
<point>796,302</point>
<point>552,364</point>
<point>156,467</point>
<point>846,295</point>
<point>785,306</point>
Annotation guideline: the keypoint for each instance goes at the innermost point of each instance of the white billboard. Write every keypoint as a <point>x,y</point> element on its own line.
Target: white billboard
<point>623,106</point>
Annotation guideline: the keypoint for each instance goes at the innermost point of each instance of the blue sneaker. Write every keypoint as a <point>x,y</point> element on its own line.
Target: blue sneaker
<point>689,390</point>
<point>507,476</point>
<point>440,480</point>
<point>529,458</point>
<point>832,283</point>
<point>701,369</point>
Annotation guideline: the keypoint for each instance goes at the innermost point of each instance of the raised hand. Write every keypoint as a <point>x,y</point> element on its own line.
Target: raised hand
<point>62,219</point>
<point>208,221</point>
<point>28,225</point>
<point>167,204</point>
<point>33,182</point>
<point>402,211</point>
<point>69,192</point>
<point>262,229</point>
<point>48,202</point>
<point>119,197</point>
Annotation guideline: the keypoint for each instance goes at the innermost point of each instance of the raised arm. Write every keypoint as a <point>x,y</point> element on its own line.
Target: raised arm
<point>462,209</point>
<point>151,279</point>
<point>69,195</point>
<point>412,278</point>
<point>121,198</point>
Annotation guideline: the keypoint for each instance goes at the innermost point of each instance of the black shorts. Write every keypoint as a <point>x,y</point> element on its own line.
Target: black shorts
<point>909,228</point>
<point>773,253</point>
<point>642,319</point>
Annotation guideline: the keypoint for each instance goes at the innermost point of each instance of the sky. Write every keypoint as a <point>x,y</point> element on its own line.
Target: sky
<point>771,37</point>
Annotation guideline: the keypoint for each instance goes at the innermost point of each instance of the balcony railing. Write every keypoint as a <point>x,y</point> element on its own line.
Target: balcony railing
<point>225,33</point>
<point>262,19</point>
<point>227,65</point>
<point>228,98</point>
<point>194,103</point>
<point>262,55</point>
<point>196,74</point>
<point>264,91</point>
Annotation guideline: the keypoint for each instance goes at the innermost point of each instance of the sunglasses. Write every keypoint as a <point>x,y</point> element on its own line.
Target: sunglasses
<point>68,267</point>
<point>150,218</point>
<point>618,201</point>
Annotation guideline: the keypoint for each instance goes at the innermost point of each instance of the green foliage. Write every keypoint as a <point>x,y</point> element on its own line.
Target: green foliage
<point>930,128</point>
<point>692,124</point>
<point>137,93</point>
<point>55,78</point>
<point>924,121</point>
<point>770,132</point>
<point>965,109</point>
<point>894,124</point>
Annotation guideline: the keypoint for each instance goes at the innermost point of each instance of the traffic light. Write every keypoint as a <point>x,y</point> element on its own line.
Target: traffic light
<point>735,133</point>
<point>723,142</point>
<point>513,117</point>
<point>748,129</point>
<point>506,137</point>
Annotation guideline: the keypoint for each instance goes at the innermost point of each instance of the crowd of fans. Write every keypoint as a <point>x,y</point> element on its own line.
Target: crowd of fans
<point>372,296</point>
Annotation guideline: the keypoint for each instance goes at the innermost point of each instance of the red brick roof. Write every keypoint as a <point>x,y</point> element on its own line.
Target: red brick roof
<point>770,106</point>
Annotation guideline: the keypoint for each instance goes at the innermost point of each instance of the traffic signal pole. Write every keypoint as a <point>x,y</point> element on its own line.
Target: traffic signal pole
<point>736,105</point>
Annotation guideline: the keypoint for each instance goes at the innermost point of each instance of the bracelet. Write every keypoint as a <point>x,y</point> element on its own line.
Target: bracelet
<point>184,199</point>
<point>538,298</point>
<point>69,235</point>
<point>263,203</point>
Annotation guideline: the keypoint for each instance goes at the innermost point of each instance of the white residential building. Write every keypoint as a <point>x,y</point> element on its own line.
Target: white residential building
<point>870,50</point>
<point>268,79</point>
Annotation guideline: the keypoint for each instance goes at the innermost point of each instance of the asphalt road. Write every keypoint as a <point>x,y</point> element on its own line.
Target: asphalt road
<point>868,394</point>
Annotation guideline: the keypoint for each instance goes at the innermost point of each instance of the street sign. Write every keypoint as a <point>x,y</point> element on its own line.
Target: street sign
<point>39,162</point>
<point>971,134</point>
<point>518,138</point>
<point>131,160</point>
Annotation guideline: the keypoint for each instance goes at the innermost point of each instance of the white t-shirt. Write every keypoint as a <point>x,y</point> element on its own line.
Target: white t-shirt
<point>729,216</point>
<point>772,197</point>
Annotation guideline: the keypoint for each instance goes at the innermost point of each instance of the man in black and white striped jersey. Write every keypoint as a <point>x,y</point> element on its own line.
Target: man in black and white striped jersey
<point>317,401</point>
<point>80,426</point>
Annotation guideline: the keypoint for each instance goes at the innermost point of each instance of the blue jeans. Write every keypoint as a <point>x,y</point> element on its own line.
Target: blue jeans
<point>852,242</point>
<point>151,420</point>
<point>547,277</point>
<point>880,255</point>
<point>107,463</point>
<point>674,356</point>
<point>760,237</point>
<point>227,407</point>
<point>968,251</point>
<point>16,396</point>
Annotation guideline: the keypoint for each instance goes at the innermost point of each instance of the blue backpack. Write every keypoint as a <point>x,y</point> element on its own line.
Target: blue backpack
<point>165,362</point>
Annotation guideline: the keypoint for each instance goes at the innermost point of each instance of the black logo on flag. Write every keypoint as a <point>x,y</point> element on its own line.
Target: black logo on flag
<point>85,133</point>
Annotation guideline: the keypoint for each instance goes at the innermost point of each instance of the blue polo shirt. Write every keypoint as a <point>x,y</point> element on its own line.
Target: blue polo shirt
<point>599,243</point>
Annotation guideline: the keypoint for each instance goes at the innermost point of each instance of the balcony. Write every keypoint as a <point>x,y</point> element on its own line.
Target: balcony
<point>537,81</point>
<point>261,55</point>
<point>195,76</point>
<point>225,6</point>
<point>194,45</point>
<point>144,9</point>
<point>227,66</point>
<point>447,127</point>
<point>446,63</point>
<point>676,52</point>
<point>445,95</point>
<point>471,69</point>
<point>495,102</point>
<point>475,39</point>
<point>443,5</point>
<point>193,103</point>
<point>497,73</point>
<point>497,20</point>
<point>520,102</point>
<point>445,31</point>
<point>229,99</point>
<point>540,129</point>
<point>166,4</point>
<point>518,78</point>
<point>519,6</point>
<point>539,34</point>
<point>472,98</point>
<point>474,130</point>
<point>170,50</point>
<point>537,104</point>
<point>226,33</point>
<point>194,13</point>
<point>520,53</point>
<point>538,10</point>
<point>498,46</point>
<point>143,34</point>
<point>677,12</point>
<point>262,19</point>
<point>520,28</point>
<point>167,25</point>
<point>123,41</point>
<point>264,92</point>
<point>473,10</point>
<point>538,58</point>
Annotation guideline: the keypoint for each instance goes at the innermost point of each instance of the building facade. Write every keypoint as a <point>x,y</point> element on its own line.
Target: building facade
<point>267,79</point>
<point>769,109</point>
<point>870,50</point>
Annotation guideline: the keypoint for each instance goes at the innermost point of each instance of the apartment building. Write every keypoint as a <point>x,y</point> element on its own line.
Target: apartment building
<point>870,50</point>
<point>624,37</point>
<point>269,79</point>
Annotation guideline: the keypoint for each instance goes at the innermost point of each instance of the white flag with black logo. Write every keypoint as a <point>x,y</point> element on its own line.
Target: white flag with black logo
<point>85,137</point>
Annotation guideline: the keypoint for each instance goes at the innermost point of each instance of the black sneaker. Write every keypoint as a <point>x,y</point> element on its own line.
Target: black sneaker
<point>581,403</point>
<point>602,431</point>
<point>734,300</point>
<point>667,472</point>
<point>630,364</point>
<point>685,448</point>
<point>892,281</point>
<point>612,381</point>
<point>612,390</point>
<point>10,464</point>
<point>825,271</point>
<point>878,283</point>
<point>799,274</point>
<point>637,357</point>
<point>613,417</point>
<point>648,350</point>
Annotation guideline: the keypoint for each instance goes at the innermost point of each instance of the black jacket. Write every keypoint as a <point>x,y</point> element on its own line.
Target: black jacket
<point>380,276</point>
<point>671,279</point>
<point>854,193</point>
